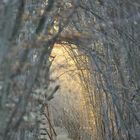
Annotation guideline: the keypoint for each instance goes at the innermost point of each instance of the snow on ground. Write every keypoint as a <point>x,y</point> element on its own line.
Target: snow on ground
<point>61,134</point>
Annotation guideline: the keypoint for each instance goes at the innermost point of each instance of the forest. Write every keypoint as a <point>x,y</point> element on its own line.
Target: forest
<point>69,70</point>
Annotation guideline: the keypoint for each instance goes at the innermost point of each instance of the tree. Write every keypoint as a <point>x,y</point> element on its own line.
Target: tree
<point>106,32</point>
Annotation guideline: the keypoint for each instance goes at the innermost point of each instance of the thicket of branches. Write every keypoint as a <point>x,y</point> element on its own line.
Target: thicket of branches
<point>107,32</point>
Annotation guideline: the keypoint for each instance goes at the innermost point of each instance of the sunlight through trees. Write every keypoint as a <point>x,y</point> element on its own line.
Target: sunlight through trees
<point>69,69</point>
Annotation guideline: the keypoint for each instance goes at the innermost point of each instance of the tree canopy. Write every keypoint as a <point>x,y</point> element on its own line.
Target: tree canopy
<point>99,39</point>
